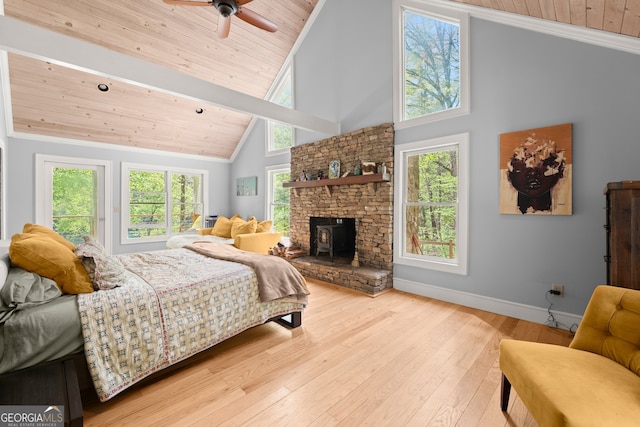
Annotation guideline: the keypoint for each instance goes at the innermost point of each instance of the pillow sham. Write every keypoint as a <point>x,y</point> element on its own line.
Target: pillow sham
<point>48,257</point>
<point>264,226</point>
<point>26,288</point>
<point>222,227</point>
<point>105,270</point>
<point>45,231</point>
<point>240,226</point>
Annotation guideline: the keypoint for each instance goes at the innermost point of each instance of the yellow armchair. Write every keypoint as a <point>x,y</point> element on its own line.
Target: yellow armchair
<point>593,382</point>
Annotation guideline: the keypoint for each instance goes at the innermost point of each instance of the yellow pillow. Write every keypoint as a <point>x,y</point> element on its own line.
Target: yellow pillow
<point>222,227</point>
<point>241,226</point>
<point>41,229</point>
<point>50,258</point>
<point>264,226</point>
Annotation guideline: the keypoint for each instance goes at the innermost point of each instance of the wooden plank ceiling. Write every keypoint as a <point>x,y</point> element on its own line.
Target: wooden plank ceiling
<point>614,16</point>
<point>55,101</point>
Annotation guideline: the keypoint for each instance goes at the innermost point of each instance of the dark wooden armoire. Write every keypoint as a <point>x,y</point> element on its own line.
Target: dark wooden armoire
<point>623,233</point>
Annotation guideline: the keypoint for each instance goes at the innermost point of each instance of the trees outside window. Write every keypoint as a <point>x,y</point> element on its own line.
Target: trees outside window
<point>159,202</point>
<point>278,203</point>
<point>433,204</point>
<point>279,135</point>
<point>431,56</point>
<point>73,197</point>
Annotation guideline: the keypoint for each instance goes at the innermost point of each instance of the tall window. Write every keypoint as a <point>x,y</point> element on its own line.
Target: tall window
<point>279,135</point>
<point>159,202</point>
<point>73,197</point>
<point>431,77</point>
<point>278,207</point>
<point>433,204</point>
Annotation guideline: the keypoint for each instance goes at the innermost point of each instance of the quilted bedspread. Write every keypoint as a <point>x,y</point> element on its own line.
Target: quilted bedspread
<point>177,303</point>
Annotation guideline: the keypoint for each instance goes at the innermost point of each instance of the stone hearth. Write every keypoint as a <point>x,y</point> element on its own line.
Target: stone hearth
<point>370,205</point>
<point>369,280</point>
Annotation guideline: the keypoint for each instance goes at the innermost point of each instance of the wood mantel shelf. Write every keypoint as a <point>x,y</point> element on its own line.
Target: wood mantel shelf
<point>371,180</point>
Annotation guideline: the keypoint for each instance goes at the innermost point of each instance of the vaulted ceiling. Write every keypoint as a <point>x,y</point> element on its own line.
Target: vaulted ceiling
<point>54,100</point>
<point>58,101</point>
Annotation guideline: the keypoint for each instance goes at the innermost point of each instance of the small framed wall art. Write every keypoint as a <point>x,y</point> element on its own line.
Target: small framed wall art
<point>334,169</point>
<point>247,186</point>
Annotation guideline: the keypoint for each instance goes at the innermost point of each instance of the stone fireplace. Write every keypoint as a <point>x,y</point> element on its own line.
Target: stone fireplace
<point>365,209</point>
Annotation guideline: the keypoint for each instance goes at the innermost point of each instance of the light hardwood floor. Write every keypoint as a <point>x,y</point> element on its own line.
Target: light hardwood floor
<point>394,360</point>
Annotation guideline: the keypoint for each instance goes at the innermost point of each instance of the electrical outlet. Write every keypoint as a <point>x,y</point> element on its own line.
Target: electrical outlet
<point>558,289</point>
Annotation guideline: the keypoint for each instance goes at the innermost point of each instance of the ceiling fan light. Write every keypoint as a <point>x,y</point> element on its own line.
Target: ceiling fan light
<point>226,8</point>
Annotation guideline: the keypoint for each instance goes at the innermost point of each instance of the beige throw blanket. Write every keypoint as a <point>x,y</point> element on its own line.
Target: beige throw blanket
<point>277,279</point>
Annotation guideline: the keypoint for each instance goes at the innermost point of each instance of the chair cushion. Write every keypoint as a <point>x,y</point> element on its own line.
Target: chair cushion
<point>564,386</point>
<point>610,326</point>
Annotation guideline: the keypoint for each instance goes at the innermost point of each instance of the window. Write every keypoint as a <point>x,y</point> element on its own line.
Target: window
<point>73,197</point>
<point>432,206</point>
<point>159,202</point>
<point>431,63</point>
<point>279,135</point>
<point>278,198</point>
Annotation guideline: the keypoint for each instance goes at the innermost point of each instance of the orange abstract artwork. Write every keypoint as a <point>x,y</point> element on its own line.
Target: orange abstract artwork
<point>535,171</point>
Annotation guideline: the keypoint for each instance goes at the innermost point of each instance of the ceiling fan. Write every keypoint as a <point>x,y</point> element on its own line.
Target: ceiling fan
<point>227,9</point>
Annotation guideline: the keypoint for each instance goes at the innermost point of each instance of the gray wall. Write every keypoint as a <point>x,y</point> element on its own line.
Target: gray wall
<point>21,186</point>
<point>519,80</point>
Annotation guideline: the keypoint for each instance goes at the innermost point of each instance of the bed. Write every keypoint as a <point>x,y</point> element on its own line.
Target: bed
<point>151,310</point>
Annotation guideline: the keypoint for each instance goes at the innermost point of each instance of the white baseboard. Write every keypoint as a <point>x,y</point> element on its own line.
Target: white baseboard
<point>494,305</point>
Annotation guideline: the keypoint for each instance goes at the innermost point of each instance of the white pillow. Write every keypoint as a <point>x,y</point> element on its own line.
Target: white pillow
<point>5,262</point>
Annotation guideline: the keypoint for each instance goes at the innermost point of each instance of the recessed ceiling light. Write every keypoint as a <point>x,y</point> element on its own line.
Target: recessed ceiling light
<point>199,110</point>
<point>103,87</point>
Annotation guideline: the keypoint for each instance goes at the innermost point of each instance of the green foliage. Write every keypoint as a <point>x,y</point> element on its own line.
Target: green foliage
<point>148,199</point>
<point>282,136</point>
<point>436,197</point>
<point>432,65</point>
<point>74,203</point>
<point>281,209</point>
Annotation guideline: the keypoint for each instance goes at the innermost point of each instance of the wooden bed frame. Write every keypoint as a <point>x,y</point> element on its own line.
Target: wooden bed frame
<point>87,391</point>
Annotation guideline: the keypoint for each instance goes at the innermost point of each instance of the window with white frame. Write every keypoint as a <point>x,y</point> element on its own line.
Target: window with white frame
<point>278,206</point>
<point>431,80</point>
<point>432,203</point>
<point>158,202</point>
<point>279,135</point>
<point>73,197</point>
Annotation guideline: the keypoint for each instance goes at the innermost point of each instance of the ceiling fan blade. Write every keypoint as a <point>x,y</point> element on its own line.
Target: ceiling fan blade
<point>255,19</point>
<point>224,24</point>
<point>188,3</point>
<point>241,2</point>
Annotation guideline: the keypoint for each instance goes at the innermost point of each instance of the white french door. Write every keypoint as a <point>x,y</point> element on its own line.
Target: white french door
<point>73,197</point>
